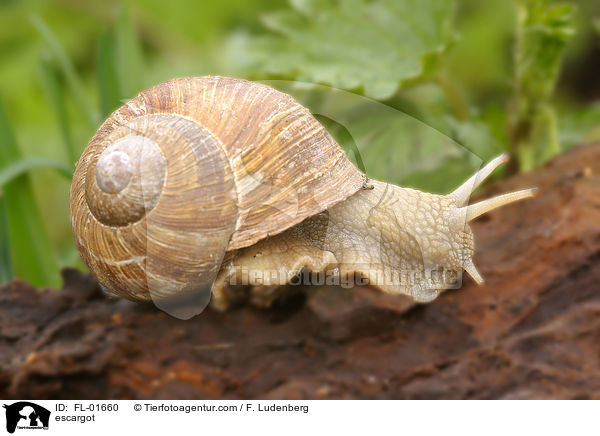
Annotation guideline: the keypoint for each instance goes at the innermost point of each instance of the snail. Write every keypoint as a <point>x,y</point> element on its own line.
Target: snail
<point>210,185</point>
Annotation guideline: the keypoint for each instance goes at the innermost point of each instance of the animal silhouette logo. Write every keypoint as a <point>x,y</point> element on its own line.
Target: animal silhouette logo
<point>26,415</point>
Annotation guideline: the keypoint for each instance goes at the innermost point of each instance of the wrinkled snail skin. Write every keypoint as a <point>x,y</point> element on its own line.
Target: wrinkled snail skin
<point>397,239</point>
<point>198,179</point>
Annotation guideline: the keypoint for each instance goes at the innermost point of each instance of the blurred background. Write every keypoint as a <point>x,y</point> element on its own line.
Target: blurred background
<point>423,90</point>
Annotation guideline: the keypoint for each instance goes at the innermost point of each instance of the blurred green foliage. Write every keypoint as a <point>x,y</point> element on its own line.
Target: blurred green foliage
<point>371,47</point>
<point>23,234</point>
<point>543,30</point>
<point>432,87</point>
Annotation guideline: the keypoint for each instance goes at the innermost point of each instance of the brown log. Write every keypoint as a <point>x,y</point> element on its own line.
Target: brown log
<point>532,331</point>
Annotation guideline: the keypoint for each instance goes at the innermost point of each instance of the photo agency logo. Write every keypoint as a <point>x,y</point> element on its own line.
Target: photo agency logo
<point>24,415</point>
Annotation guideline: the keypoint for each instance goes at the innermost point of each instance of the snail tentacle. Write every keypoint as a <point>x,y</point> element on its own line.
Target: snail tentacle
<point>463,192</point>
<point>472,211</point>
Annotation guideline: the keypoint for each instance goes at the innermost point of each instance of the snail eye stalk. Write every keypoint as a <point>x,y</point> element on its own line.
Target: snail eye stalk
<point>463,192</point>
<point>474,210</point>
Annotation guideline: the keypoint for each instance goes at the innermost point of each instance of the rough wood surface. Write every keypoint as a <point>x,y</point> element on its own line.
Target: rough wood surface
<point>532,331</point>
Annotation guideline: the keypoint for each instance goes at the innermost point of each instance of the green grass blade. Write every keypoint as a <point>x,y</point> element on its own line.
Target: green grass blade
<point>6,269</point>
<point>55,94</point>
<point>67,68</point>
<point>31,253</point>
<point>129,62</point>
<point>14,170</point>
<point>109,86</point>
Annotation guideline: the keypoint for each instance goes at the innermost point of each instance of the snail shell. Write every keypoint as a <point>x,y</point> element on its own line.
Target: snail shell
<point>192,168</point>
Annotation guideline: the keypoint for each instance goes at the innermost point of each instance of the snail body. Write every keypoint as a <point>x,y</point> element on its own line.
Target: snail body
<point>197,179</point>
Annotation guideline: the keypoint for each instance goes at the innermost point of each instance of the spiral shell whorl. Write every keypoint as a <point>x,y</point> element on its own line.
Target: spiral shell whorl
<point>126,180</point>
<point>113,171</point>
<point>151,239</point>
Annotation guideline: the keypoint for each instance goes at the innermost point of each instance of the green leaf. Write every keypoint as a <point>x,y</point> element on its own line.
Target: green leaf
<point>372,46</point>
<point>15,169</point>
<point>449,174</point>
<point>436,156</point>
<point>68,70</point>
<point>31,253</point>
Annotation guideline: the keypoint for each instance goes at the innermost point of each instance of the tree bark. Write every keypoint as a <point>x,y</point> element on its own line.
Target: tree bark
<point>532,331</point>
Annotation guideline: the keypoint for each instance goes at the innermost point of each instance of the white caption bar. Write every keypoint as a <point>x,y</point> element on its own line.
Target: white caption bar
<point>23,417</point>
